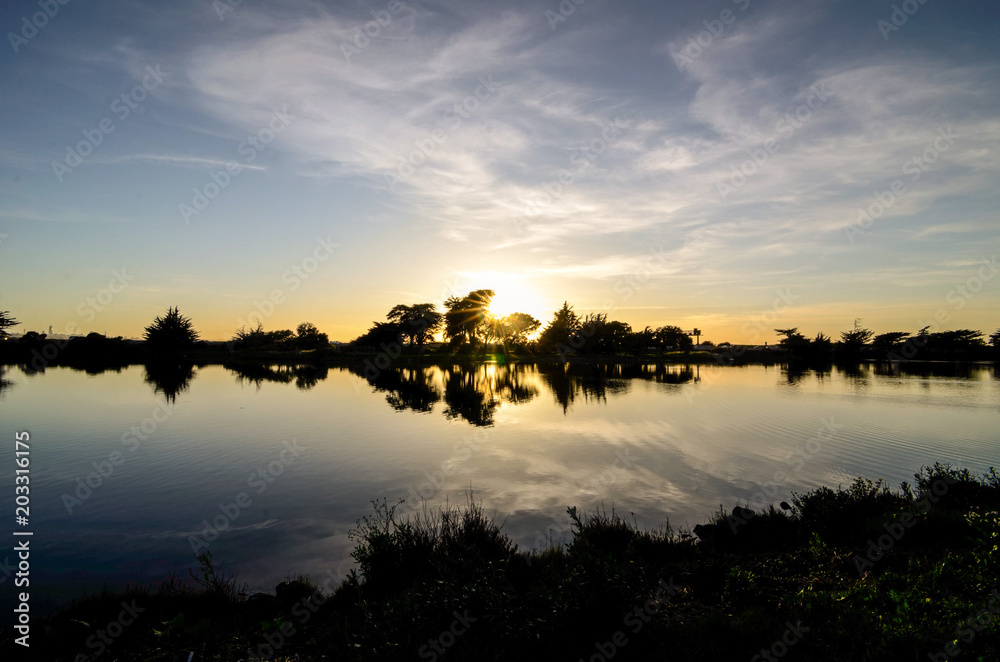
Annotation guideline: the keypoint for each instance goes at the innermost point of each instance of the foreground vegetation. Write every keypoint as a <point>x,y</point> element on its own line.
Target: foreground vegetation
<point>858,573</point>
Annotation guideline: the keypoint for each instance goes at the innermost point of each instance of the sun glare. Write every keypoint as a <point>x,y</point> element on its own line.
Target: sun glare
<point>513,295</point>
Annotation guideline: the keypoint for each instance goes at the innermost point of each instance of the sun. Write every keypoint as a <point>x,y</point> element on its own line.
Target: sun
<point>512,294</point>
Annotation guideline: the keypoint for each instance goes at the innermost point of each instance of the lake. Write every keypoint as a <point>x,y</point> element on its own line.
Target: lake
<point>128,467</point>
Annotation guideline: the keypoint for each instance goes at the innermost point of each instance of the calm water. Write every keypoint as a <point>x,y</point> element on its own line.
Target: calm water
<point>664,444</point>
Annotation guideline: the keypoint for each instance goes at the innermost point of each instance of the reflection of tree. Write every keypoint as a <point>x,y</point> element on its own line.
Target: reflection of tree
<point>305,376</point>
<point>169,378</point>
<point>470,395</point>
<point>512,383</point>
<point>405,388</point>
<point>597,381</point>
<point>4,383</point>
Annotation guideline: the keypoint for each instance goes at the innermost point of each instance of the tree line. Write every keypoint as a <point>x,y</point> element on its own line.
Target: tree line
<point>467,324</point>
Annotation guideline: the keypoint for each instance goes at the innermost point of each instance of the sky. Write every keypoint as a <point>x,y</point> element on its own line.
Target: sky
<point>731,165</point>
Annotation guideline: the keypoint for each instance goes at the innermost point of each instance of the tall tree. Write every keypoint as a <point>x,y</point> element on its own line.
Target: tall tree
<point>418,322</point>
<point>560,330</point>
<point>856,339</point>
<point>467,317</point>
<point>6,321</point>
<point>171,332</point>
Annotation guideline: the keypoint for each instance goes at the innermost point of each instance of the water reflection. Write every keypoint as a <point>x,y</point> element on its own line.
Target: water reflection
<point>596,381</point>
<point>405,388</point>
<point>474,394</point>
<point>305,376</point>
<point>4,383</point>
<point>169,378</point>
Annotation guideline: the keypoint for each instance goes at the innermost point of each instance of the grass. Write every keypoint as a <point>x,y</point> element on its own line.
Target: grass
<point>451,585</point>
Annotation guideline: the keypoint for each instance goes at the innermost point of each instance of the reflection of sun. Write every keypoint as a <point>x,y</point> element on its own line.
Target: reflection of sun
<point>513,294</point>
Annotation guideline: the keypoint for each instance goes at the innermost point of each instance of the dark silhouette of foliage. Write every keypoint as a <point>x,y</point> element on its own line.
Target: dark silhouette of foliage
<point>565,323</point>
<point>6,321</point>
<point>855,340</point>
<point>171,332</point>
<point>672,337</point>
<point>170,378</point>
<point>467,317</point>
<point>604,336</point>
<point>307,336</point>
<point>257,339</point>
<point>418,322</point>
<point>892,341</point>
<point>381,334</point>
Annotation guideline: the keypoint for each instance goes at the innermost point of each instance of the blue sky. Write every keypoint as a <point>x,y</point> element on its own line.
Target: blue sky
<point>704,164</point>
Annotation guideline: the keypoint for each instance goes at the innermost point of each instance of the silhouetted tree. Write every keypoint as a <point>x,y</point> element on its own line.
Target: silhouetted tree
<point>792,340</point>
<point>995,339</point>
<point>605,336</point>
<point>381,333</point>
<point>6,321</point>
<point>261,340</point>
<point>565,323</point>
<point>171,332</point>
<point>307,336</point>
<point>892,341</point>
<point>855,340</point>
<point>672,337</point>
<point>467,316</point>
<point>418,322</point>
